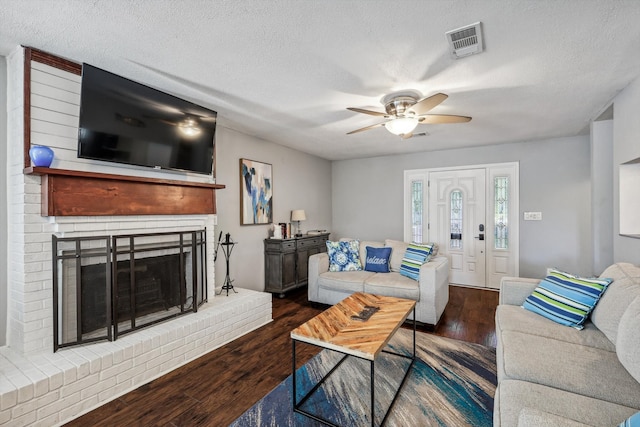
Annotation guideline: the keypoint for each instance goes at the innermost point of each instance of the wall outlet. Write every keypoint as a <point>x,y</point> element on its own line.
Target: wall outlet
<point>533,216</point>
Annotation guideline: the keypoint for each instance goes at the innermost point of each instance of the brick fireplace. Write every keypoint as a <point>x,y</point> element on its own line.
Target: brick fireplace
<point>38,386</point>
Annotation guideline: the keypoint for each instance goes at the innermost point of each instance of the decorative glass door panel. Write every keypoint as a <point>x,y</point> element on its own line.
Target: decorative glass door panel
<point>501,212</point>
<point>455,219</point>
<point>417,210</point>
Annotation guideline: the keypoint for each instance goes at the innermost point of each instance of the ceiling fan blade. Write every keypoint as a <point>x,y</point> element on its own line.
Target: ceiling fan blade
<point>365,128</point>
<point>371,113</point>
<point>424,105</point>
<point>434,119</point>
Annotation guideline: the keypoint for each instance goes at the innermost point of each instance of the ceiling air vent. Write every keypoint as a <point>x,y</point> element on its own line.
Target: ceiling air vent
<point>465,41</point>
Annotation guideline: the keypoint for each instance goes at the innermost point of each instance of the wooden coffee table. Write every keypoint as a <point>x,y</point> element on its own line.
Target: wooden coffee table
<point>335,329</point>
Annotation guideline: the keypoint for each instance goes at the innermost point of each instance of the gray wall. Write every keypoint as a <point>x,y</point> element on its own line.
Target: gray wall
<point>300,181</point>
<point>626,146</point>
<point>554,179</point>
<point>602,193</point>
<point>3,201</point>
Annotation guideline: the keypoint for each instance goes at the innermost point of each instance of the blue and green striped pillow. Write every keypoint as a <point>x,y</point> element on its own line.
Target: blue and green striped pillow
<point>415,255</point>
<point>632,421</point>
<point>565,298</point>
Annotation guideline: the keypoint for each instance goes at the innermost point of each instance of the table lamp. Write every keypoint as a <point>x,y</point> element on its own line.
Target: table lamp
<point>297,216</point>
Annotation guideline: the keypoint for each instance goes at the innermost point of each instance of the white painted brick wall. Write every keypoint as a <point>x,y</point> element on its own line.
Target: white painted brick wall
<point>30,233</point>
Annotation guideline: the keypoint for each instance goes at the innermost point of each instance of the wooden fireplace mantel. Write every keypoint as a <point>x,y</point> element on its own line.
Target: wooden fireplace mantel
<point>78,193</point>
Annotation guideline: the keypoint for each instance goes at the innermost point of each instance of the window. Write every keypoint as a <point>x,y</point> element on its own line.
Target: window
<point>417,208</point>
<point>501,212</point>
<point>455,227</point>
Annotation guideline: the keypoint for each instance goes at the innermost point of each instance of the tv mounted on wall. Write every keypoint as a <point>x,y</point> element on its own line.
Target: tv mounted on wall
<point>127,122</point>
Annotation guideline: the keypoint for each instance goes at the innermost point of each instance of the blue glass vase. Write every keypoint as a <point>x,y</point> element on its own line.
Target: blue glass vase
<point>41,155</point>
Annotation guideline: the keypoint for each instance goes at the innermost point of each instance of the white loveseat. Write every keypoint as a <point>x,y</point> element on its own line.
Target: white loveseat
<point>431,291</point>
<point>554,375</point>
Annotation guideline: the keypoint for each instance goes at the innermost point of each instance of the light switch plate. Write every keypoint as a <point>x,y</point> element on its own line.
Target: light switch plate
<point>533,216</point>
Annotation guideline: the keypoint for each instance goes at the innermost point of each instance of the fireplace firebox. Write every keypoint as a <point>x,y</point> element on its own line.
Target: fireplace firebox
<point>107,286</point>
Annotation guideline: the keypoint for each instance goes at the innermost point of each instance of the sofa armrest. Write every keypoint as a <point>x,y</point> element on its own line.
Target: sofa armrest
<point>318,264</point>
<point>514,290</point>
<point>434,271</point>
<point>434,287</point>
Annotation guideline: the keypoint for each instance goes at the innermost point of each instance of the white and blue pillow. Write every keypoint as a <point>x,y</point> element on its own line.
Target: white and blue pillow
<point>415,255</point>
<point>344,255</point>
<point>565,298</point>
<point>377,259</point>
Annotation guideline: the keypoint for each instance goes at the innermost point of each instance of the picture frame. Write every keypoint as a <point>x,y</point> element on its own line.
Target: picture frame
<point>256,192</point>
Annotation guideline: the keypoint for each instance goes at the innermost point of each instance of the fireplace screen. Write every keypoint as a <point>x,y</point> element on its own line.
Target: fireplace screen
<point>110,285</point>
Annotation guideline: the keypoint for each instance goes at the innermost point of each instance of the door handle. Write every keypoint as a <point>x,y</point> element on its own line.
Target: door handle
<point>480,237</point>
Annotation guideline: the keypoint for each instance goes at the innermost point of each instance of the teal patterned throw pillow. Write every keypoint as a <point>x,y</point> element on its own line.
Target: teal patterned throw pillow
<point>344,256</point>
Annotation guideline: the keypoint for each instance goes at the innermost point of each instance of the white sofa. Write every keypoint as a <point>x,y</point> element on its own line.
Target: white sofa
<point>554,375</point>
<point>431,292</point>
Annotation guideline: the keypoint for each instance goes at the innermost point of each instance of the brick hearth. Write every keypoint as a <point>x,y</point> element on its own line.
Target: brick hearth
<point>52,388</point>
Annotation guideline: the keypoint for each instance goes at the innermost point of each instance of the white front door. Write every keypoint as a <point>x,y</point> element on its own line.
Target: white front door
<point>457,213</point>
<point>475,195</point>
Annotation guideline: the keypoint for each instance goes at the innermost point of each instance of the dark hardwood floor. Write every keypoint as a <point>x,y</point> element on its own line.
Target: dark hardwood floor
<point>217,388</point>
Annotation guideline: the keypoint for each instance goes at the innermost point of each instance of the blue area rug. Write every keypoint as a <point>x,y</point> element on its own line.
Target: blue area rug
<point>451,384</point>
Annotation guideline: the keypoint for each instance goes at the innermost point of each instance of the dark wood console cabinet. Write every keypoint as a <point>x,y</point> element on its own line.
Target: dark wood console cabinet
<point>286,261</point>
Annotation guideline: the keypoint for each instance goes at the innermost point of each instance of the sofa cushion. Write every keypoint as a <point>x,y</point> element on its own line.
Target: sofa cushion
<point>377,259</point>
<point>624,288</point>
<point>628,343</point>
<point>512,396</point>
<point>414,256</point>
<point>515,318</point>
<point>392,285</point>
<point>345,281</point>
<point>535,418</point>
<point>566,366</point>
<point>344,256</point>
<point>397,253</point>
<point>565,298</point>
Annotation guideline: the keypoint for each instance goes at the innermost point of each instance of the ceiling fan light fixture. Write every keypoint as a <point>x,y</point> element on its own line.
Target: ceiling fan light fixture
<point>401,125</point>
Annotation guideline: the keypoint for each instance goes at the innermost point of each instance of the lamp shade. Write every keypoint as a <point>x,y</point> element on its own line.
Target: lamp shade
<point>298,215</point>
<point>402,125</point>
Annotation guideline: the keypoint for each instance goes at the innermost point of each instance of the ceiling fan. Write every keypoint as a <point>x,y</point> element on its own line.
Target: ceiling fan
<point>405,110</point>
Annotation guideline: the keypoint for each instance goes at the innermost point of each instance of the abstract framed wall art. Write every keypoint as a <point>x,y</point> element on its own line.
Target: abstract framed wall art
<point>256,192</point>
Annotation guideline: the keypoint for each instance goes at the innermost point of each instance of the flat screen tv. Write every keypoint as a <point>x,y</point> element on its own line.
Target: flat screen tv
<point>127,122</point>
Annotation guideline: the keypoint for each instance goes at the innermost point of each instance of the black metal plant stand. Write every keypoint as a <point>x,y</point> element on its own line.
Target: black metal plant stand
<point>227,248</point>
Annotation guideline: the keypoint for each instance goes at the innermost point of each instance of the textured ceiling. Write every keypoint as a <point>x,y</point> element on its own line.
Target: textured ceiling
<point>285,70</point>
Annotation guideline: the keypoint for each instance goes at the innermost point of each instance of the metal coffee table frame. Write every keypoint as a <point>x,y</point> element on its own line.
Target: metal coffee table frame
<point>297,406</point>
